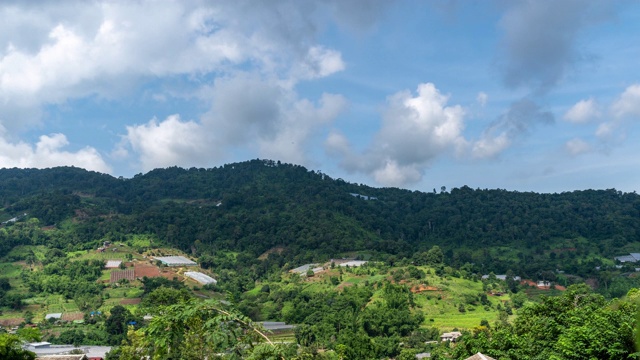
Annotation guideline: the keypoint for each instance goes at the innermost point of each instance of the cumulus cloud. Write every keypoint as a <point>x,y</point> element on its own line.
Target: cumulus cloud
<point>58,52</point>
<point>623,111</point>
<point>577,146</point>
<point>247,112</point>
<point>583,111</point>
<point>521,117</point>
<point>628,103</point>
<point>540,39</point>
<point>319,62</point>
<point>53,53</point>
<point>49,152</point>
<point>168,143</point>
<point>415,130</point>
<point>490,145</point>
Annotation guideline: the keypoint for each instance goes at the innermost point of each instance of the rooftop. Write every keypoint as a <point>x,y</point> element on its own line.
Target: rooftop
<point>176,261</point>
<point>112,264</point>
<point>200,277</point>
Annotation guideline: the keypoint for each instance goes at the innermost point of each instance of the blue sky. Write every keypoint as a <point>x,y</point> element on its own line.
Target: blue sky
<point>520,95</point>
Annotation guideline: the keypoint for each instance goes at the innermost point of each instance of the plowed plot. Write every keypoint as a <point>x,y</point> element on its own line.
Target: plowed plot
<point>11,322</point>
<point>128,274</point>
<point>135,301</point>
<point>146,270</point>
<point>72,316</point>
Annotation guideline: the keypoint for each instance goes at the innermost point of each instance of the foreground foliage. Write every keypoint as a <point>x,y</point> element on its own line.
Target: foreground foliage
<point>191,330</point>
<point>577,325</point>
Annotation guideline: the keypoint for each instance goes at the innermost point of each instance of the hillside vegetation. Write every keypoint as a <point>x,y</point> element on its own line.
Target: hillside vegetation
<point>248,224</point>
<point>254,206</point>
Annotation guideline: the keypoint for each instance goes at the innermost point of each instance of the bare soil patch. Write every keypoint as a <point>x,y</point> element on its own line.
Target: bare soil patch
<point>11,322</point>
<point>72,316</point>
<point>135,301</point>
<point>142,270</point>
<point>421,288</point>
<point>273,250</point>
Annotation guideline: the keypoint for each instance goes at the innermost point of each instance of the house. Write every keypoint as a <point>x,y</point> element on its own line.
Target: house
<point>543,284</point>
<point>450,336</point>
<point>480,356</point>
<point>424,355</point>
<point>63,357</point>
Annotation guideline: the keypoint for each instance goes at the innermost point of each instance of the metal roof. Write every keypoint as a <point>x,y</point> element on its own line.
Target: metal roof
<point>176,261</point>
<point>200,277</point>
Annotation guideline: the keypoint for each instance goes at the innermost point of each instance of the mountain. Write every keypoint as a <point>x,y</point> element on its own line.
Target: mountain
<point>254,206</point>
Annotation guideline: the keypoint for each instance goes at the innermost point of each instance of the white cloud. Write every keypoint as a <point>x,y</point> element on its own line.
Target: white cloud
<point>624,109</point>
<point>482,98</point>
<point>628,104</point>
<point>169,142</point>
<point>48,152</point>
<point>577,146</point>
<point>490,146</point>
<point>298,124</point>
<point>336,144</point>
<point>247,112</point>
<point>392,174</point>
<point>605,130</point>
<point>321,62</point>
<point>415,130</point>
<point>107,48</point>
<point>583,111</point>
<point>255,52</point>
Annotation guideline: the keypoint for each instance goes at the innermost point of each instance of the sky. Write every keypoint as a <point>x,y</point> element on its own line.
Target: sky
<point>537,95</point>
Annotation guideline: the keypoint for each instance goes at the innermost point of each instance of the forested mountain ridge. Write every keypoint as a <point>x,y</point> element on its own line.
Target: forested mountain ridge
<point>253,206</point>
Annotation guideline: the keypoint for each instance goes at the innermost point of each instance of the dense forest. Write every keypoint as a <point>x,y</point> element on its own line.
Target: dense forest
<point>254,206</point>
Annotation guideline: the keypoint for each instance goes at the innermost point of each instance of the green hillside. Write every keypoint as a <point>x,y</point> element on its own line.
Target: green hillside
<point>248,224</point>
<point>254,206</point>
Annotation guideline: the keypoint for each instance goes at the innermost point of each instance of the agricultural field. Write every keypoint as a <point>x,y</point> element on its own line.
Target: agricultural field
<point>127,294</point>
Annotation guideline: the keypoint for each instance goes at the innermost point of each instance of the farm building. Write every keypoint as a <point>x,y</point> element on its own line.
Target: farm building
<point>38,345</point>
<point>201,278</point>
<point>276,326</point>
<point>304,268</point>
<point>45,350</point>
<point>176,261</point>
<point>53,316</point>
<point>450,336</point>
<point>113,264</point>
<point>632,257</point>
<point>353,263</point>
